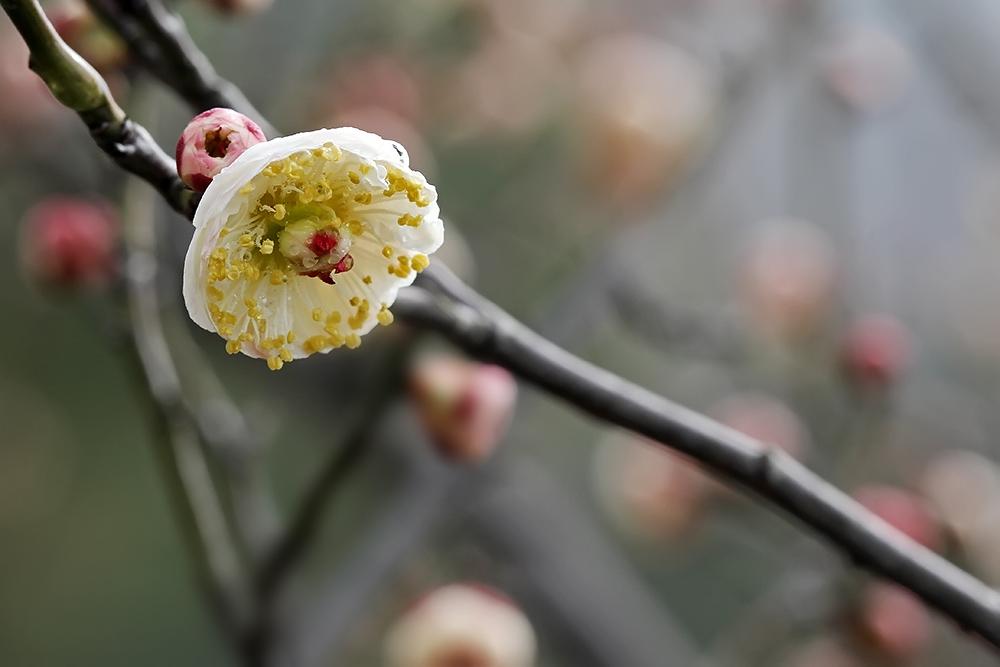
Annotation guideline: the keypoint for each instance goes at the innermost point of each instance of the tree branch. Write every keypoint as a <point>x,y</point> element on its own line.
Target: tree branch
<point>161,44</point>
<point>79,87</point>
<point>485,331</point>
<point>185,467</point>
<point>306,518</point>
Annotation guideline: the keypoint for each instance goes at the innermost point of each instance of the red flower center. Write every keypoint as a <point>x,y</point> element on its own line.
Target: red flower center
<point>322,243</point>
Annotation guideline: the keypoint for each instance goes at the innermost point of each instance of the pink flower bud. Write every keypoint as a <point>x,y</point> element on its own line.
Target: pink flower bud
<point>868,68</point>
<point>470,625</point>
<point>789,278</point>
<point>650,491</point>
<point>875,351</point>
<point>69,242</point>
<point>464,406</point>
<point>895,621</point>
<point>903,511</point>
<point>211,142</point>
<point>81,30</point>
<point>638,137</point>
<point>239,6</point>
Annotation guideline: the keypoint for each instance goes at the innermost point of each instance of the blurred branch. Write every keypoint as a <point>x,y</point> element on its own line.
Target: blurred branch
<point>79,87</point>
<point>237,451</point>
<point>485,331</point>
<point>184,463</point>
<point>644,313</point>
<point>429,489</point>
<point>160,42</point>
<point>290,546</point>
<point>526,517</point>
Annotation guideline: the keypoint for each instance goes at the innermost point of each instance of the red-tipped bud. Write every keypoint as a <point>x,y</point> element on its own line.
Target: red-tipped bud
<point>894,621</point>
<point>466,625</point>
<point>464,406</point>
<point>903,511</point>
<point>210,143</point>
<point>875,351</point>
<point>69,242</point>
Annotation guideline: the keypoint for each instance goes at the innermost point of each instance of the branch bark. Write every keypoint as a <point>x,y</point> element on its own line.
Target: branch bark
<point>484,331</point>
<point>79,87</point>
<point>158,39</point>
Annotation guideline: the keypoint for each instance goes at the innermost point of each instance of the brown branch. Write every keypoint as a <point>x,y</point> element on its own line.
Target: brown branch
<point>485,331</point>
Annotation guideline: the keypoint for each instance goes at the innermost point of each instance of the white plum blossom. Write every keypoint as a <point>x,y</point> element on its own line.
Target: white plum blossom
<point>301,244</point>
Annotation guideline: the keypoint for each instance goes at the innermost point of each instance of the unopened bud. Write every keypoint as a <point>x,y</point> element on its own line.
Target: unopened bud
<point>875,351</point>
<point>210,142</point>
<point>69,242</point>
<point>464,406</point>
<point>648,490</point>
<point>894,621</point>
<point>462,624</point>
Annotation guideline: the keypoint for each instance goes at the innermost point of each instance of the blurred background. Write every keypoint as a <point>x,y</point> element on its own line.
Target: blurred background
<point>783,213</point>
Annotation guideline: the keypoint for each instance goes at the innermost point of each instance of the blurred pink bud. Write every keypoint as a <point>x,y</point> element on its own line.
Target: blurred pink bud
<point>465,406</point>
<point>380,81</point>
<point>90,38</point>
<point>895,621</point>
<point>648,489</point>
<point>239,7</point>
<point>482,92</point>
<point>868,68</point>
<point>645,105</point>
<point>211,142</point>
<point>462,625</point>
<point>69,242</point>
<point>789,277</point>
<point>875,351</point>
<point>763,418</point>
<point>904,511</point>
<point>964,489</point>
<point>823,652</point>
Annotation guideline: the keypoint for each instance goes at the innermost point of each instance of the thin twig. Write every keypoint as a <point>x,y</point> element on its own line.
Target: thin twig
<point>491,334</point>
<point>161,44</point>
<point>307,517</point>
<point>184,464</point>
<point>79,87</point>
